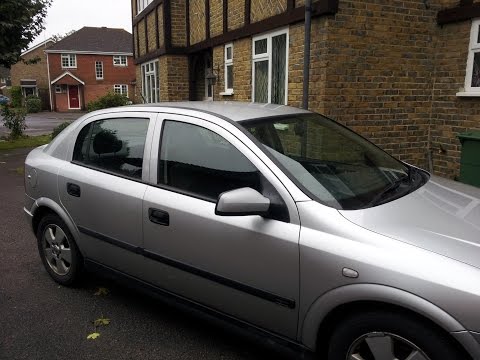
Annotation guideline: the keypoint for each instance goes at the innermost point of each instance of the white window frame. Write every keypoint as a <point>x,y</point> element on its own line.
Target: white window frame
<point>228,62</point>
<point>268,56</point>
<point>58,89</point>
<point>71,59</point>
<point>142,4</point>
<point>97,70</point>
<point>151,70</point>
<point>121,89</point>
<point>474,47</point>
<point>118,60</point>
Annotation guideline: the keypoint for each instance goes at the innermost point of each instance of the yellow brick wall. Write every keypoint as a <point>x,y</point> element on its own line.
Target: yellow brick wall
<point>216,17</point>
<point>141,37</point>
<point>152,31</point>
<point>161,30</point>
<point>242,70</point>
<point>262,9</point>
<point>197,21</point>
<point>179,28</point>
<point>236,14</point>
<point>174,84</point>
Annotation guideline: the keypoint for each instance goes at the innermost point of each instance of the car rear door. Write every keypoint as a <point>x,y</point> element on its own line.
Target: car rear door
<point>244,266</point>
<point>103,185</point>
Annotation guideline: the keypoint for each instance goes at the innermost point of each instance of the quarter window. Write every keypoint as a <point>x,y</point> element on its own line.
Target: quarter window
<point>99,70</point>
<point>113,145</point>
<point>121,89</point>
<point>202,163</point>
<point>229,68</point>
<point>120,60</point>
<point>150,82</point>
<point>269,68</point>
<point>60,89</point>
<point>69,61</point>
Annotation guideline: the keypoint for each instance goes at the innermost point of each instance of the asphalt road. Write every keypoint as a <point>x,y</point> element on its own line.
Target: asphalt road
<point>42,320</point>
<point>42,123</point>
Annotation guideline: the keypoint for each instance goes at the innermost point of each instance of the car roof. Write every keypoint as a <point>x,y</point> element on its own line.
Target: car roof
<point>233,110</point>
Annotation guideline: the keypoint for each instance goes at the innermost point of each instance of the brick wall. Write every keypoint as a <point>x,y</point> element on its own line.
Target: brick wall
<point>36,71</point>
<point>197,21</point>
<point>179,27</point>
<point>142,41</point>
<point>174,85</point>
<point>236,14</point>
<point>216,17</point>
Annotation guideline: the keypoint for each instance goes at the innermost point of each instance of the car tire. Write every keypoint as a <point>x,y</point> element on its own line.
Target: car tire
<point>58,250</point>
<point>388,336</point>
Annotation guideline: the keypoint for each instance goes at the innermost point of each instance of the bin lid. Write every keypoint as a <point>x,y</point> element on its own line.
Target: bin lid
<point>470,135</point>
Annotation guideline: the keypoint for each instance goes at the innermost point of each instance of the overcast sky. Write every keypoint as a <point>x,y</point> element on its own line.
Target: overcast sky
<point>66,15</point>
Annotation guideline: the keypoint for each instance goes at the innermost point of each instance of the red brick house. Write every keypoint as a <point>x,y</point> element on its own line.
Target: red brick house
<point>88,64</point>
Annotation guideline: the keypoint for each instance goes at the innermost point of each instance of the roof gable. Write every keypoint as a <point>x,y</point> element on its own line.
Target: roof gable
<point>96,40</point>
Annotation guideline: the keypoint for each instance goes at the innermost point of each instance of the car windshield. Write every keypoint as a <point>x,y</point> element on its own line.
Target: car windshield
<point>331,163</point>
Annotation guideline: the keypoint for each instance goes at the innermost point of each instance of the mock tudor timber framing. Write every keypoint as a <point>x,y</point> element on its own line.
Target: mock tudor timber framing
<point>291,15</point>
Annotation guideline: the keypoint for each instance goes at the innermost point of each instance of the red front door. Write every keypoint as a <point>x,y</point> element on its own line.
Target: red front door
<point>74,101</point>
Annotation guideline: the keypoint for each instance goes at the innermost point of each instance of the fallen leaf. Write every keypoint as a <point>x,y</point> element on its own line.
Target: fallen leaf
<point>101,291</point>
<point>93,336</point>
<point>101,322</point>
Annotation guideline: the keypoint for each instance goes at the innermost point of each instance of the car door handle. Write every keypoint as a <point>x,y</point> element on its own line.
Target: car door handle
<point>159,217</point>
<point>73,189</point>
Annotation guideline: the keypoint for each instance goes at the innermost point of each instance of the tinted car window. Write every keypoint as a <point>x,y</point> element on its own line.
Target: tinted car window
<point>114,145</point>
<point>200,162</point>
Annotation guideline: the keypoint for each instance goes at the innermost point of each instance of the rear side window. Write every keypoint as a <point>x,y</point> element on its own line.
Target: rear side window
<point>202,163</point>
<point>113,145</point>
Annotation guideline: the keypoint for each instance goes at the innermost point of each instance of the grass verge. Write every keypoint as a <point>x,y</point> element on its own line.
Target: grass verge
<point>25,142</point>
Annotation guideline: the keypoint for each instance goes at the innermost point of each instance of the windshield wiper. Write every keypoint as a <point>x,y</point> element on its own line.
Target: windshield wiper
<point>390,188</point>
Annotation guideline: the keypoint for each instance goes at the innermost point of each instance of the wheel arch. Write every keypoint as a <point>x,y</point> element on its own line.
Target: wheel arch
<point>331,307</point>
<point>43,206</point>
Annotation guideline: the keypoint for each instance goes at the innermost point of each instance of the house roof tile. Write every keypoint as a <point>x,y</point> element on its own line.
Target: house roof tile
<point>94,39</point>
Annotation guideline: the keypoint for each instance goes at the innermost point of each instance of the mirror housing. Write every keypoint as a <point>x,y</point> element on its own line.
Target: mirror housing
<point>242,202</point>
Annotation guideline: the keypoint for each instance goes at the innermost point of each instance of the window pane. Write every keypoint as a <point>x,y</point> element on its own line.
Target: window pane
<point>229,76</point>
<point>476,70</point>
<point>229,53</point>
<point>279,61</point>
<point>114,145</point>
<point>200,162</point>
<point>261,82</point>
<point>260,46</point>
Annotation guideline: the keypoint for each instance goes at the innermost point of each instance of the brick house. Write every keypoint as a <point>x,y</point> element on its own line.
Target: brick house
<point>402,73</point>
<point>88,64</point>
<point>33,77</point>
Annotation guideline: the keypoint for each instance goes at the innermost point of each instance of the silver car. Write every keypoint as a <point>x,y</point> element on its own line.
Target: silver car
<point>277,219</point>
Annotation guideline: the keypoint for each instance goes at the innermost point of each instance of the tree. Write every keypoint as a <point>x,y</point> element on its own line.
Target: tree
<point>58,37</point>
<point>20,22</point>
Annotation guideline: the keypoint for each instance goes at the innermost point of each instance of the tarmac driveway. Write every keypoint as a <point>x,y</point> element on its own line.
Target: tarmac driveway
<point>42,320</point>
<point>43,122</point>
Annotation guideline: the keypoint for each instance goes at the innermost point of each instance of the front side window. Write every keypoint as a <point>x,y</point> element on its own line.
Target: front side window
<point>472,79</point>
<point>120,60</point>
<point>333,164</point>
<point>99,70</point>
<point>269,68</point>
<point>229,68</point>
<point>200,162</point>
<point>150,82</point>
<point>121,89</point>
<point>69,61</point>
<point>113,145</point>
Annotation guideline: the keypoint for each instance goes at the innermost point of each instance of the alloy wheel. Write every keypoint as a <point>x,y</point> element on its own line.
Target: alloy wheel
<point>57,250</point>
<point>384,346</point>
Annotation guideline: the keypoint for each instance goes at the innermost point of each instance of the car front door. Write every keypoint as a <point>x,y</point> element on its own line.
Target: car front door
<point>244,266</point>
<point>102,188</point>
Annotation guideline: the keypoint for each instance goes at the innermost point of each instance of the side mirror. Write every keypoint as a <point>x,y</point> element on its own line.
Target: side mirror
<point>241,202</point>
